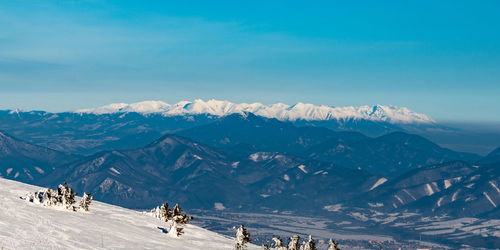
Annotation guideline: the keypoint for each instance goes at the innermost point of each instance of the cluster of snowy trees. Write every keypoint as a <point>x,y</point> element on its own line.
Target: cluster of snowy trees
<point>243,237</point>
<point>294,244</point>
<point>63,197</point>
<point>175,217</point>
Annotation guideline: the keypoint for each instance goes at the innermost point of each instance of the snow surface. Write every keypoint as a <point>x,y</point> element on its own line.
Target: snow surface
<point>333,208</point>
<point>303,168</point>
<point>439,201</point>
<point>378,183</point>
<point>299,111</point>
<point>25,225</point>
<point>454,197</point>
<point>428,189</point>
<point>262,156</point>
<point>489,199</point>
<point>286,177</point>
<point>447,184</point>
<point>219,206</point>
<point>493,184</point>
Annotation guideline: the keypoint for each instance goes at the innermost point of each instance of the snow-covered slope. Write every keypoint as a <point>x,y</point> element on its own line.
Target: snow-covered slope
<point>299,111</point>
<point>25,225</point>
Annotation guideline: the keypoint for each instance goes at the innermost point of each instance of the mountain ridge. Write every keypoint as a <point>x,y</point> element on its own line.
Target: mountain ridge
<point>27,162</point>
<point>391,154</point>
<point>280,111</point>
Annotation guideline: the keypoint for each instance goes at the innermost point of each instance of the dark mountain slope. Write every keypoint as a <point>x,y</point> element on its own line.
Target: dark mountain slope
<point>441,189</point>
<point>90,133</point>
<point>252,133</point>
<point>178,169</point>
<point>492,157</point>
<point>312,185</point>
<point>171,168</point>
<point>388,155</point>
<point>25,162</point>
<point>367,127</point>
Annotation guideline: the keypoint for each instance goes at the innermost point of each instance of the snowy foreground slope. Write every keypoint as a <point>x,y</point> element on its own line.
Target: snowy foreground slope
<point>25,225</point>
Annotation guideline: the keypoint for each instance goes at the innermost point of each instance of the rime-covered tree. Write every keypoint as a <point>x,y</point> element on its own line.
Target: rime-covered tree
<point>165,213</point>
<point>162,212</point>
<point>333,245</point>
<point>278,244</point>
<point>179,219</point>
<point>65,196</point>
<point>176,210</point>
<point>52,197</point>
<point>85,201</point>
<point>174,216</point>
<point>242,238</point>
<point>176,229</point>
<point>309,245</point>
<point>49,197</point>
<point>294,243</point>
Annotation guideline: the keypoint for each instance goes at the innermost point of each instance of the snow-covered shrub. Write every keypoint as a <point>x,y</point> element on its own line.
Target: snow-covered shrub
<point>278,244</point>
<point>179,219</point>
<point>63,197</point>
<point>294,243</point>
<point>162,212</point>
<point>66,196</point>
<point>333,245</point>
<point>309,245</point>
<point>242,238</point>
<point>174,216</point>
<point>85,201</point>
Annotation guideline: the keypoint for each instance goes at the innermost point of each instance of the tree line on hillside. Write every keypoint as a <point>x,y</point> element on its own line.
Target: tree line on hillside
<point>243,238</point>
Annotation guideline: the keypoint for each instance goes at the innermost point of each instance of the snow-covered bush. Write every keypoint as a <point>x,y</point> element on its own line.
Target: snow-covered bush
<point>333,245</point>
<point>66,196</point>
<point>242,238</point>
<point>294,243</point>
<point>63,197</point>
<point>162,212</point>
<point>85,201</point>
<point>174,216</point>
<point>278,244</point>
<point>179,219</point>
<point>309,245</point>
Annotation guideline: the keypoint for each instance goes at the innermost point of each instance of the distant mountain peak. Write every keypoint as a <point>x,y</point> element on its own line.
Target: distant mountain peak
<point>280,111</point>
<point>495,152</point>
<point>492,157</point>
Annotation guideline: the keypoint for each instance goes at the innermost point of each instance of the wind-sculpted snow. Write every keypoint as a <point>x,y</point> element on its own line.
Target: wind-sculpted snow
<point>25,225</point>
<point>280,111</point>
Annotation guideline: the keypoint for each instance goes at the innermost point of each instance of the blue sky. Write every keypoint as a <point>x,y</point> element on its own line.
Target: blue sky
<point>441,58</point>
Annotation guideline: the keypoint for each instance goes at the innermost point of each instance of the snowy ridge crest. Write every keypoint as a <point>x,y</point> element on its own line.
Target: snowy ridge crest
<point>280,111</point>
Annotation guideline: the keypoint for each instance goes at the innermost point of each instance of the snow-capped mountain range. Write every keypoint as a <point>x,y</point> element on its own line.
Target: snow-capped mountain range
<point>280,111</point>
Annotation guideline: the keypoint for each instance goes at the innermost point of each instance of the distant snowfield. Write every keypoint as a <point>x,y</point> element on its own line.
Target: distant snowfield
<point>299,111</point>
<point>25,225</point>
